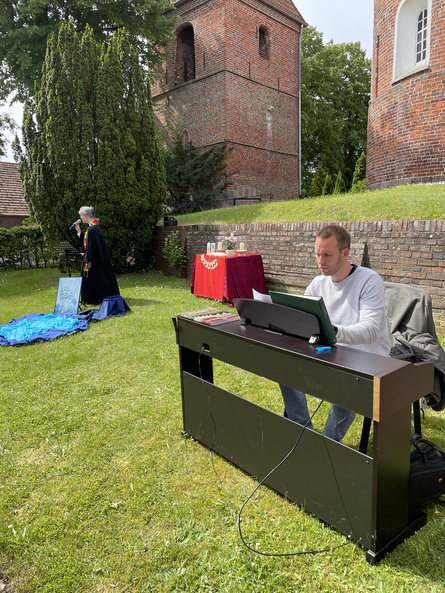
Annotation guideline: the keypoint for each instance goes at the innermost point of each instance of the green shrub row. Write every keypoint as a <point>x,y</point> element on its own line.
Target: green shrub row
<point>26,247</point>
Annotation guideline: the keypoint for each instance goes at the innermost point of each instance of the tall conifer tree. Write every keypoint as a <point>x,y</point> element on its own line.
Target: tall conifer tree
<point>340,186</point>
<point>91,141</point>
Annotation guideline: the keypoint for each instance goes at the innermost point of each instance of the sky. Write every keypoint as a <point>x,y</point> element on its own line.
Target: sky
<point>339,20</point>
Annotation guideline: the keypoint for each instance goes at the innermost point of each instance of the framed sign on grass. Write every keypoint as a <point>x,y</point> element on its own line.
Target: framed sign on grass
<point>68,295</point>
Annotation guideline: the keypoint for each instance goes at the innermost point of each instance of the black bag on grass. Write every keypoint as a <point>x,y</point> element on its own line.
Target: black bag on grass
<point>427,473</point>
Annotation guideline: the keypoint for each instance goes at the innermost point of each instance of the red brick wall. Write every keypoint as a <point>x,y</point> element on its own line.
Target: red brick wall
<point>238,95</point>
<point>8,222</point>
<point>410,252</point>
<point>407,117</point>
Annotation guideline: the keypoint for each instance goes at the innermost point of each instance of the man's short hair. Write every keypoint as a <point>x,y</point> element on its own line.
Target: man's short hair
<point>340,233</point>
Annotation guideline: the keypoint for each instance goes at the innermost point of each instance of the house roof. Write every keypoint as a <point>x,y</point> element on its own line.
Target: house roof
<point>289,7</point>
<point>12,201</point>
<point>286,6</point>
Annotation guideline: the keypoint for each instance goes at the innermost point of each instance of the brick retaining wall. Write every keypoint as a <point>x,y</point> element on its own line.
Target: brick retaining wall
<point>410,252</point>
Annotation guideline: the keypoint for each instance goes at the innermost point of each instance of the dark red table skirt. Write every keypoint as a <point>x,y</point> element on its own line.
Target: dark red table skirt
<point>224,278</point>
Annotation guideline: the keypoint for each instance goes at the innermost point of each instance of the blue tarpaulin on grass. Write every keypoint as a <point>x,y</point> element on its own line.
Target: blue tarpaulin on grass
<point>40,327</point>
<point>111,307</point>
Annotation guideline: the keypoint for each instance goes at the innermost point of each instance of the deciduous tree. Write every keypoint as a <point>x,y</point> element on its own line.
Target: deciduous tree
<point>334,105</point>
<point>26,25</point>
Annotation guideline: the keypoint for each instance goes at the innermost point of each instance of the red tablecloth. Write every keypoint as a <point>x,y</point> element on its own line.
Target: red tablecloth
<point>224,278</point>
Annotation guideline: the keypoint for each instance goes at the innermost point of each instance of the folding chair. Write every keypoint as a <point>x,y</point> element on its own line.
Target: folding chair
<point>413,338</point>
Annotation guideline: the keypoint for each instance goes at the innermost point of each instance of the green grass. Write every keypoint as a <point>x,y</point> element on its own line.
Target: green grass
<point>99,492</point>
<point>410,202</point>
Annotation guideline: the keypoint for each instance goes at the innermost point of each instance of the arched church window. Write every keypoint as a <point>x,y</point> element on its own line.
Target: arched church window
<point>185,55</point>
<point>185,138</point>
<point>412,37</point>
<point>422,35</point>
<point>263,43</point>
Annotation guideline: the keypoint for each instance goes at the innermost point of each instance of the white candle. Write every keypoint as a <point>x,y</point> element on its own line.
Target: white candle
<point>241,246</point>
<point>219,246</point>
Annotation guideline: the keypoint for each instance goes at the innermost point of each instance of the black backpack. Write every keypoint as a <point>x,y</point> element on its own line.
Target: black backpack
<point>427,473</point>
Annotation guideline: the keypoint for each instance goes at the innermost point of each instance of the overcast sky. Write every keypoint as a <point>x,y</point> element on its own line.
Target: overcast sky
<point>339,20</point>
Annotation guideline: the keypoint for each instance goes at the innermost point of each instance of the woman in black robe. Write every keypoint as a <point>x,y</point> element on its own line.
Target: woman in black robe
<point>98,277</point>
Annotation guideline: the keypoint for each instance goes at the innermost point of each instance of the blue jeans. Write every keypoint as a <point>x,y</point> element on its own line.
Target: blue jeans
<point>338,422</point>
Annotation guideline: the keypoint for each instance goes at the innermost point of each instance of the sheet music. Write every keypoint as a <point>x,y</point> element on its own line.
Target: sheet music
<point>259,296</point>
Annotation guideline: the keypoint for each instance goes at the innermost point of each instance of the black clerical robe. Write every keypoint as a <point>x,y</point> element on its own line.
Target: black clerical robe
<point>99,281</point>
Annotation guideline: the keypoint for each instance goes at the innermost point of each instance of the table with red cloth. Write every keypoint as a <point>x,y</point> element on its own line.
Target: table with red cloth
<point>224,278</point>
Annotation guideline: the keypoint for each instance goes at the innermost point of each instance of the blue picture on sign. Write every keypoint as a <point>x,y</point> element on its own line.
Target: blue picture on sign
<point>68,295</point>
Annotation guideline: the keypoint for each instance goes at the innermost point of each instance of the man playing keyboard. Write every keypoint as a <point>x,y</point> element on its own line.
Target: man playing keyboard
<point>355,299</point>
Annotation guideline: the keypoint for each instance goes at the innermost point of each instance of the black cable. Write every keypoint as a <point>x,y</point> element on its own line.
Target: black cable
<point>238,515</point>
<point>283,554</point>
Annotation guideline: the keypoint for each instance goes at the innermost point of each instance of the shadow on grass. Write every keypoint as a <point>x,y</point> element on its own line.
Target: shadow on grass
<point>141,302</point>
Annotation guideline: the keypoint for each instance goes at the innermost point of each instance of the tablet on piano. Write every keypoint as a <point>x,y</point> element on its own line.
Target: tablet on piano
<point>310,304</point>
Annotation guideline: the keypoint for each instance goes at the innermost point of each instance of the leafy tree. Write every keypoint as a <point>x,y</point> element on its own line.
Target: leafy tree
<point>340,186</point>
<point>359,179</point>
<point>26,26</point>
<point>334,105</point>
<point>195,178</point>
<point>90,140</point>
<point>6,123</point>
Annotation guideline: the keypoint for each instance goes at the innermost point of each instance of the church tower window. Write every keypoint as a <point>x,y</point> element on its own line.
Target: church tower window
<point>185,56</point>
<point>263,45</point>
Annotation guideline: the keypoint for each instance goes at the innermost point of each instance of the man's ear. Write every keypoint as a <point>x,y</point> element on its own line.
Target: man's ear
<point>345,253</point>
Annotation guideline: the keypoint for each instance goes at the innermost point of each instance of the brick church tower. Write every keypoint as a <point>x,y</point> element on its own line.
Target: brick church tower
<point>406,125</point>
<point>233,74</point>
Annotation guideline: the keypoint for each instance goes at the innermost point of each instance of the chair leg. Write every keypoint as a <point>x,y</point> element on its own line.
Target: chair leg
<point>416,416</point>
<point>364,440</point>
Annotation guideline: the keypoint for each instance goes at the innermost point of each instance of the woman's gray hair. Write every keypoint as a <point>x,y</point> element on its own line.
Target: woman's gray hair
<point>87,211</point>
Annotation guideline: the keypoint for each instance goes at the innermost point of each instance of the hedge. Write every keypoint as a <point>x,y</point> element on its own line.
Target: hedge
<point>26,247</point>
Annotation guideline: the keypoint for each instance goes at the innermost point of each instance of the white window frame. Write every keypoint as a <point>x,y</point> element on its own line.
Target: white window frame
<point>405,41</point>
<point>422,35</point>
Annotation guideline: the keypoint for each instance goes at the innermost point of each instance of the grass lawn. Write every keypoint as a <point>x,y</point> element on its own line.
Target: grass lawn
<point>406,202</point>
<point>99,492</point>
